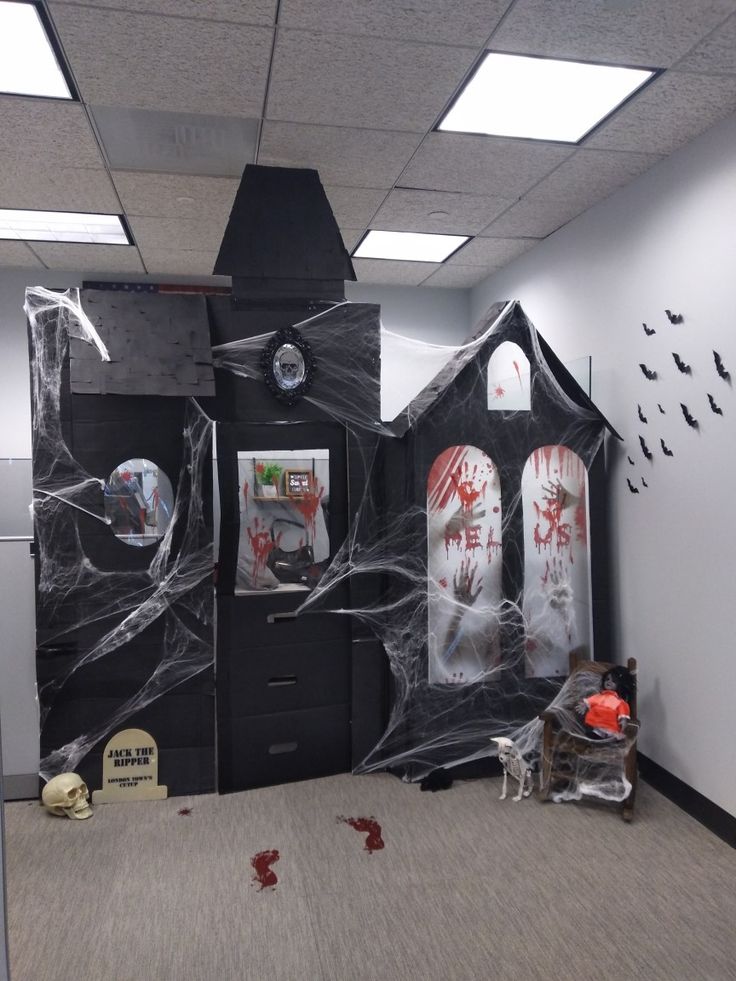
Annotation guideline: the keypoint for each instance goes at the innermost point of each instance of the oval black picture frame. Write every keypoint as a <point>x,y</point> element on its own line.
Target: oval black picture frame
<point>288,335</point>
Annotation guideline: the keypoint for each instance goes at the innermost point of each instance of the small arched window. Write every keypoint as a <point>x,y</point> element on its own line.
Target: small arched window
<point>464,566</point>
<point>509,379</point>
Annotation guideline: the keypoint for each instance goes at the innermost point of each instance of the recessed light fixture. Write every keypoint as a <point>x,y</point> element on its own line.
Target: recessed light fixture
<point>62,226</point>
<point>28,61</point>
<point>408,246</point>
<point>540,98</point>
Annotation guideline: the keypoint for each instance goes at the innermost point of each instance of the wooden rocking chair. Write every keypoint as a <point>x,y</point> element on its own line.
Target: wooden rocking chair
<point>560,745</point>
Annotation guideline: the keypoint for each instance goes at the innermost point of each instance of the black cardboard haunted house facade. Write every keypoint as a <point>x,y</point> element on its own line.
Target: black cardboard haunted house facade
<point>458,535</point>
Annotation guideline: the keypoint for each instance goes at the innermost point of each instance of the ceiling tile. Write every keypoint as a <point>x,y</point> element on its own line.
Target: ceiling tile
<point>669,112</point>
<point>654,33</point>
<point>341,80</point>
<point>716,54</point>
<point>179,262</point>
<point>351,237</point>
<point>343,156</point>
<point>410,210</point>
<point>535,218</point>
<point>491,252</point>
<point>34,130</point>
<point>457,277</point>
<point>176,142</point>
<point>17,254</point>
<point>164,234</point>
<point>590,175</point>
<point>252,12</point>
<point>39,185</point>
<point>471,22</point>
<point>581,181</point>
<point>481,164</point>
<point>89,258</point>
<point>176,196</point>
<point>149,62</point>
<point>354,206</point>
<point>389,273</point>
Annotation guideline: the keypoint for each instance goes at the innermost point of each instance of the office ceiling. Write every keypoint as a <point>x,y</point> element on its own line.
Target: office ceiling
<point>178,95</point>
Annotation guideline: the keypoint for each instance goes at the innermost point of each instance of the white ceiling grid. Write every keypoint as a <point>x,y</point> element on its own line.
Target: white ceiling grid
<point>354,89</point>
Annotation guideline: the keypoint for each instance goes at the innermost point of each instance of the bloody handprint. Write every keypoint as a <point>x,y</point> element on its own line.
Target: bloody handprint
<point>262,542</point>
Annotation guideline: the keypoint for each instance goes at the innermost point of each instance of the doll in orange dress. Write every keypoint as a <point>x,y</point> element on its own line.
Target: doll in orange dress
<point>607,712</point>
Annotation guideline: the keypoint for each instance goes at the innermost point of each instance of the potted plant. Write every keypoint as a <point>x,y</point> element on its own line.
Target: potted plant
<point>268,476</point>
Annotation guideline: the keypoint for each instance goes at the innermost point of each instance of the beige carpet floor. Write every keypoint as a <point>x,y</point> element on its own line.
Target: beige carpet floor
<point>467,888</point>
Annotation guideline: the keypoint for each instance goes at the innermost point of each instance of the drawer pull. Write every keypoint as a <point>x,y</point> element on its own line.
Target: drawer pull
<point>277,748</point>
<point>281,681</point>
<point>277,617</point>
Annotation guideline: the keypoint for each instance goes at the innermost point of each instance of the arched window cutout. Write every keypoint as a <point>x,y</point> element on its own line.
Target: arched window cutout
<point>139,502</point>
<point>508,378</point>
<point>557,603</point>
<point>463,566</point>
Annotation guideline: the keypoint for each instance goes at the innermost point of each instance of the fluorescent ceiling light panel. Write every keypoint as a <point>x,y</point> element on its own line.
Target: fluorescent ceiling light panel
<point>408,246</point>
<point>28,63</point>
<point>540,98</point>
<point>62,226</point>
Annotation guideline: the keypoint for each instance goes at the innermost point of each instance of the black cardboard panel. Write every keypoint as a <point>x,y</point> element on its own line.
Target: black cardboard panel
<point>320,739</point>
<point>263,681</point>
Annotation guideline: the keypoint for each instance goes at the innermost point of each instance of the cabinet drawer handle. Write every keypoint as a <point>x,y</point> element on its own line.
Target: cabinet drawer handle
<point>282,681</point>
<point>278,748</point>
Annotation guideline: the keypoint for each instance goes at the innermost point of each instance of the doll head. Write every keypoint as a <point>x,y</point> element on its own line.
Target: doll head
<point>620,680</point>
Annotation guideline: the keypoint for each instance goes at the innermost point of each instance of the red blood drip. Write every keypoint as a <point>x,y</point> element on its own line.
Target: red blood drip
<point>472,538</point>
<point>518,373</point>
<point>245,494</point>
<point>369,826</point>
<point>491,545</point>
<point>262,863</point>
<point>308,505</point>
<point>535,460</point>
<point>453,538</point>
<point>547,453</point>
<point>184,811</point>
<point>440,488</point>
<point>262,543</point>
<point>581,521</point>
<point>499,392</point>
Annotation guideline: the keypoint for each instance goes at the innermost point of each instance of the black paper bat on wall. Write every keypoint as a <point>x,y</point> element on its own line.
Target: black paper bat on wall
<point>642,417</point>
<point>634,490</point>
<point>684,368</point>
<point>651,375</point>
<point>717,409</point>
<point>648,330</point>
<point>645,449</point>
<point>661,409</point>
<point>631,461</point>
<point>644,482</point>
<point>665,448</point>
<point>725,375</point>
<point>674,318</point>
<point>690,420</point>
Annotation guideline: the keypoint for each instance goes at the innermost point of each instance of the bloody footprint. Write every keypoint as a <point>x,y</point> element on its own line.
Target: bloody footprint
<point>262,863</point>
<point>371,828</point>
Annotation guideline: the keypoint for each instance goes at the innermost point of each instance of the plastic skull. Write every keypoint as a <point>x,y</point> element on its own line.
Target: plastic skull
<point>288,366</point>
<point>67,794</point>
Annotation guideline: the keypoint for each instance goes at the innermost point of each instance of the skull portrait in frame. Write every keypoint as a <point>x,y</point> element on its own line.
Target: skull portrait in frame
<point>288,365</point>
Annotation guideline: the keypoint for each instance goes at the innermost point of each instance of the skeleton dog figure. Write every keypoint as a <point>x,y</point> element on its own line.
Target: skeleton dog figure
<point>513,763</point>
